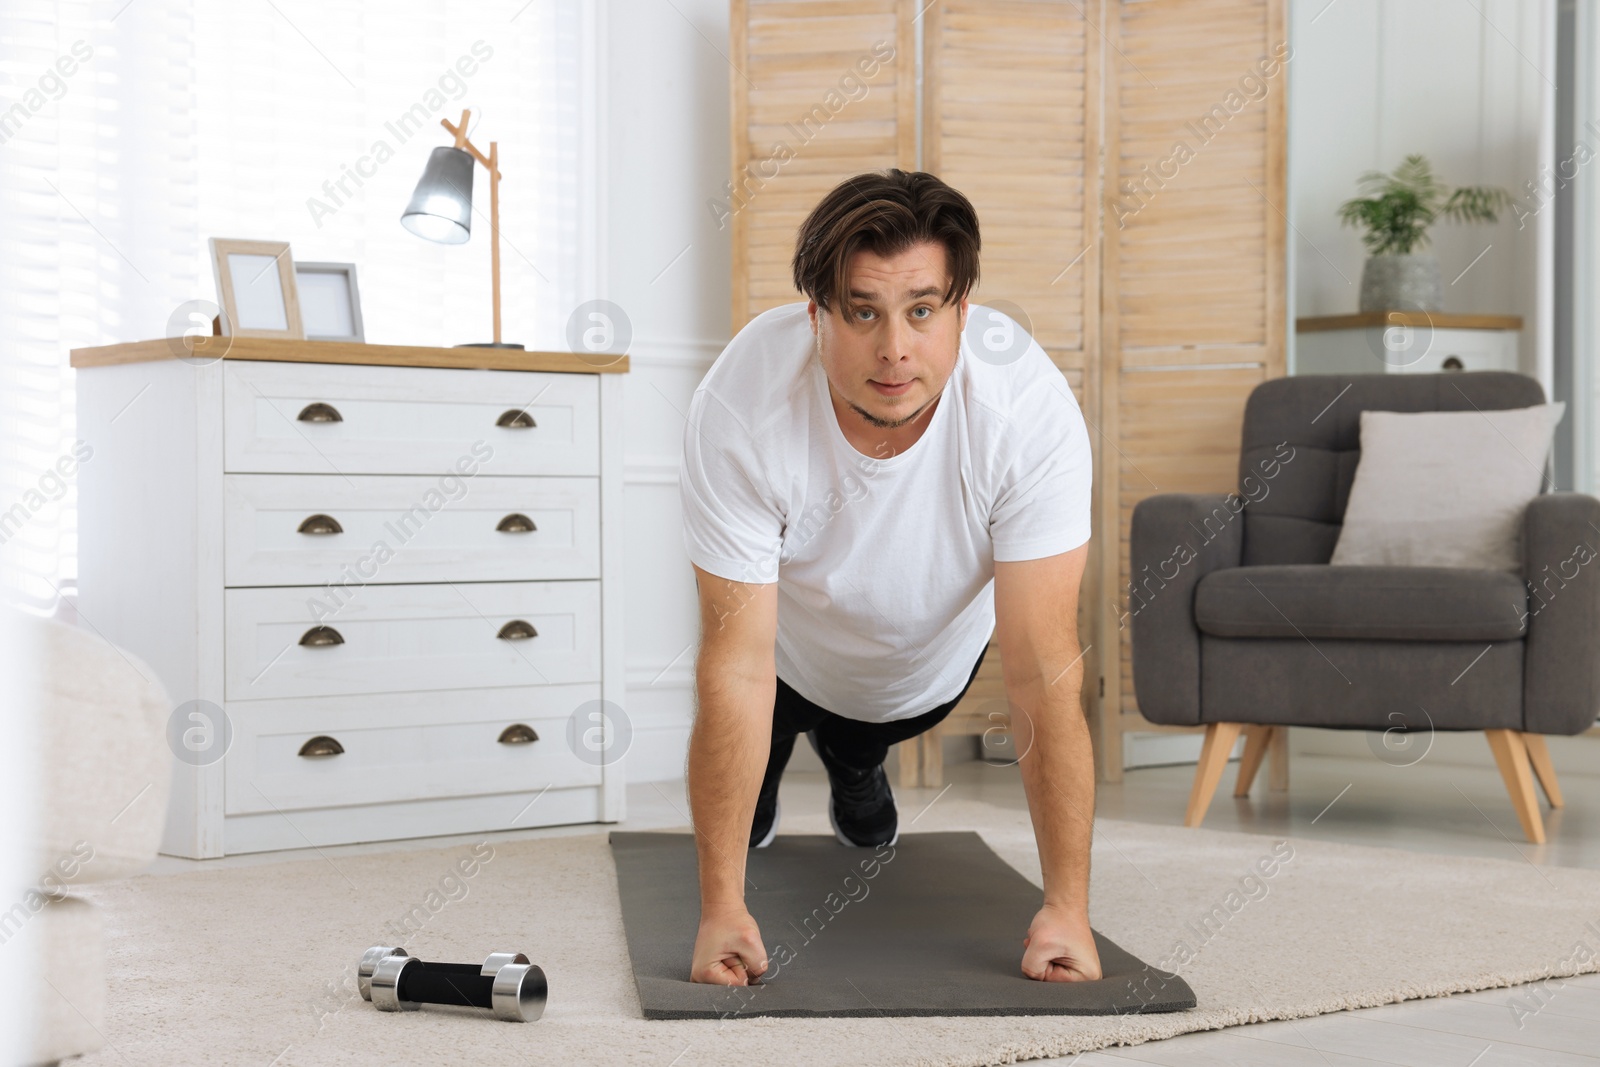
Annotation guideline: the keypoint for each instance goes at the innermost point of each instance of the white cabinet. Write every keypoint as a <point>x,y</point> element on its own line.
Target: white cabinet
<point>1406,342</point>
<point>403,747</point>
<point>404,638</point>
<point>313,529</point>
<point>321,418</point>
<point>384,597</point>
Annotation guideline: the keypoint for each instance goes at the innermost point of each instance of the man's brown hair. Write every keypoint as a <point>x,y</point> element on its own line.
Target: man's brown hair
<point>884,213</point>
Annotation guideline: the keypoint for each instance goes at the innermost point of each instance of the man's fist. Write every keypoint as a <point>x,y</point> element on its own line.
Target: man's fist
<point>728,949</point>
<point>1060,947</point>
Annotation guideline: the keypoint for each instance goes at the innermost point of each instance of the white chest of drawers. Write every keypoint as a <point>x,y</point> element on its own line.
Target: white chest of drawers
<point>1406,342</point>
<point>381,584</point>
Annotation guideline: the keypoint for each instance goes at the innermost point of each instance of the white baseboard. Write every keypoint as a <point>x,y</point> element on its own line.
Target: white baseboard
<point>1159,749</point>
<point>1462,749</point>
<point>657,755</point>
<point>1455,748</point>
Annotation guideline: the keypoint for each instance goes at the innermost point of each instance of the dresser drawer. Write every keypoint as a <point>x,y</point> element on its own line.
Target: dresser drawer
<point>312,529</point>
<point>1464,350</point>
<point>329,641</point>
<point>334,419</point>
<point>403,747</point>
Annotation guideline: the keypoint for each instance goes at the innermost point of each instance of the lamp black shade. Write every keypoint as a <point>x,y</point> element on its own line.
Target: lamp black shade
<point>441,207</point>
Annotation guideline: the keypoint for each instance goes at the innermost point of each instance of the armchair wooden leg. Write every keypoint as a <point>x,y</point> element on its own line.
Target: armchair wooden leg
<point>1543,769</point>
<point>1278,760</point>
<point>1214,754</point>
<point>1511,755</point>
<point>1256,740</point>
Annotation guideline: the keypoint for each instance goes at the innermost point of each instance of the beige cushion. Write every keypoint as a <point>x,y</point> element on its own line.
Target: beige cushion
<point>105,771</point>
<point>1445,488</point>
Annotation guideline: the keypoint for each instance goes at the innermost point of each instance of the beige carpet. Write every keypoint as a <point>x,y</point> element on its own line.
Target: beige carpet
<point>256,965</point>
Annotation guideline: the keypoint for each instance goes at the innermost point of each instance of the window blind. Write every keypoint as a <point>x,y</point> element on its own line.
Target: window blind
<point>294,120</point>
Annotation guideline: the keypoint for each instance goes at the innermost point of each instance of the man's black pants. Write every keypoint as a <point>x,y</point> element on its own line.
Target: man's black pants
<point>846,743</point>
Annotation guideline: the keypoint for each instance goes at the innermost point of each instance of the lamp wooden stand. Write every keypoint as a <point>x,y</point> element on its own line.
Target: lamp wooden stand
<point>492,162</point>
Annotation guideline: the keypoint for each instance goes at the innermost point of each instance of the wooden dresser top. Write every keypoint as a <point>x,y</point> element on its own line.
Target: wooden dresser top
<point>1439,320</point>
<point>277,350</point>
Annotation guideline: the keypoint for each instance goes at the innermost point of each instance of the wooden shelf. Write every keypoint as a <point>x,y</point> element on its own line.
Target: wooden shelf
<point>1439,320</point>
<point>278,350</point>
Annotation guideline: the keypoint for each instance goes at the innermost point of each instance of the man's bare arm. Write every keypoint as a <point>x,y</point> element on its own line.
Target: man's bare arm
<point>735,686</point>
<point>1036,623</point>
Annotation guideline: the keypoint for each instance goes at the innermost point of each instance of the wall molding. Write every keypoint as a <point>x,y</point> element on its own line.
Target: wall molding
<point>676,675</point>
<point>674,352</point>
<point>650,472</point>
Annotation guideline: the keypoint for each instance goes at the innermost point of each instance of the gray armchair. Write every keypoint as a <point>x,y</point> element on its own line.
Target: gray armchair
<point>1239,623</point>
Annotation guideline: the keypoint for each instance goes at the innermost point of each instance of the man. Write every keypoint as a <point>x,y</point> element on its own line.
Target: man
<point>864,504</point>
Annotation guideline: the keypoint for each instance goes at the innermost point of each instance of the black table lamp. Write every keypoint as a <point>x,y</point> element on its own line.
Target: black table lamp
<point>441,207</point>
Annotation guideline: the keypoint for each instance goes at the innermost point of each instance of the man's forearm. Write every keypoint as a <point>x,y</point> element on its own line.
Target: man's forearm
<point>728,749</point>
<point>1058,775</point>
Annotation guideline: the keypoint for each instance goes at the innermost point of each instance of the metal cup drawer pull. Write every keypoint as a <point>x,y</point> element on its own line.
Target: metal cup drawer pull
<point>518,734</point>
<point>321,637</point>
<point>515,419</point>
<point>321,747</point>
<point>517,630</point>
<point>319,412</point>
<point>516,522</point>
<point>321,524</point>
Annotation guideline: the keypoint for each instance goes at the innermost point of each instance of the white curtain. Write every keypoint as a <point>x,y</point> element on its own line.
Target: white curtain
<point>129,134</point>
<point>1586,253</point>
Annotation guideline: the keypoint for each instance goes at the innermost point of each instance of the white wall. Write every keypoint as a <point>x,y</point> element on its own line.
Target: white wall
<point>19,829</point>
<point>1371,81</point>
<point>1374,80</point>
<point>667,266</point>
<point>1586,272</point>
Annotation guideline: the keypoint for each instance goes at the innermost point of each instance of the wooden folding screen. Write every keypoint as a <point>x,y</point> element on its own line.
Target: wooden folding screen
<point>1008,120</point>
<point>1011,117</point>
<point>1154,283</point>
<point>820,91</point>
<point>1194,269</point>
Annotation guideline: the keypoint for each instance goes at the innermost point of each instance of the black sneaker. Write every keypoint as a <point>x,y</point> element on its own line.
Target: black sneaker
<point>765,825</point>
<point>861,808</point>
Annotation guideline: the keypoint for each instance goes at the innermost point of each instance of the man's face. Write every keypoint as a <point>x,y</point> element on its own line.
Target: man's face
<point>888,345</point>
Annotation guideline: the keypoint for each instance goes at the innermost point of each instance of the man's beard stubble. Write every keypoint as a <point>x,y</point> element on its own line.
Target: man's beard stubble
<point>889,424</point>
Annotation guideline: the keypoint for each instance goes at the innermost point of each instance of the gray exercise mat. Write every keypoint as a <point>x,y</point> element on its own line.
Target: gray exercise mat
<point>930,926</point>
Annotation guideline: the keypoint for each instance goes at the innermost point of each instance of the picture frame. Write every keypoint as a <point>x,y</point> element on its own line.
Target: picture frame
<point>256,288</point>
<point>330,302</point>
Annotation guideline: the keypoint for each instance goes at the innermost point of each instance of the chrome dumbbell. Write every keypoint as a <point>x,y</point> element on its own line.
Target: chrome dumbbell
<point>507,984</point>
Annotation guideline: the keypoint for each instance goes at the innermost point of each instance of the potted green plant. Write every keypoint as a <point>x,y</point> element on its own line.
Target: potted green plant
<point>1395,212</point>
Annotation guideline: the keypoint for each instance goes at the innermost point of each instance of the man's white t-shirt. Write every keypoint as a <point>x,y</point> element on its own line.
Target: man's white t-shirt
<point>885,567</point>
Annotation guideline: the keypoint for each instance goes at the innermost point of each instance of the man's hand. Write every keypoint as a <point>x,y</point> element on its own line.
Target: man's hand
<point>728,949</point>
<point>1060,947</point>
<point>735,689</point>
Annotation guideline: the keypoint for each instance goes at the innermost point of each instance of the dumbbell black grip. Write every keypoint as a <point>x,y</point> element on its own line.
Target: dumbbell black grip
<point>447,983</point>
<point>512,989</point>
